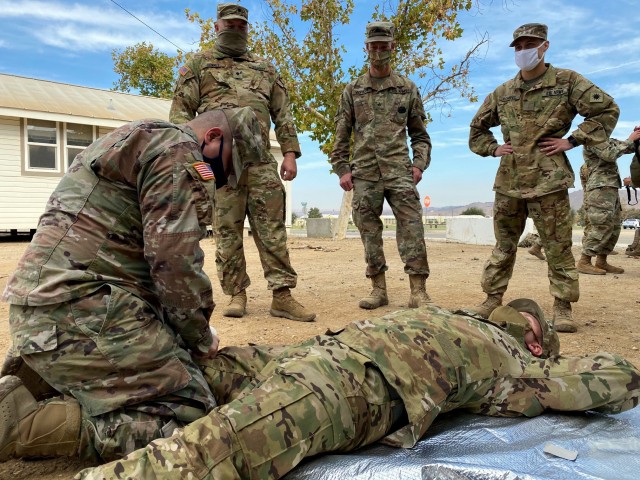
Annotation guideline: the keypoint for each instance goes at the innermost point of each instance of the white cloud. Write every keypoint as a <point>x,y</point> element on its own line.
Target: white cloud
<point>2,43</point>
<point>76,27</point>
<point>625,90</point>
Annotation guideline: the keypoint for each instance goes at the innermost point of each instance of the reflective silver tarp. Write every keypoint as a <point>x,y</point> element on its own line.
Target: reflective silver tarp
<point>471,447</point>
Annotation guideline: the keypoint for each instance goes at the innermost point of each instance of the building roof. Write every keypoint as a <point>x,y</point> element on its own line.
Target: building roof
<point>47,100</point>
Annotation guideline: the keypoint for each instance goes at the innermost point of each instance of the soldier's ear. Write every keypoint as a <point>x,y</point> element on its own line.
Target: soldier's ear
<point>535,348</point>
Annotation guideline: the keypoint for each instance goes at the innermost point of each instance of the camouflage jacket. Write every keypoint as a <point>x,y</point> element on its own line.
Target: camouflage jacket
<point>438,361</point>
<point>380,112</point>
<point>528,113</point>
<point>600,161</point>
<point>213,80</point>
<point>130,211</point>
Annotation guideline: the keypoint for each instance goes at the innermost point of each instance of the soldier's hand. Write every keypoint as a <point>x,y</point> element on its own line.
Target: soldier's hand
<point>289,168</point>
<point>635,136</point>
<point>550,146</point>
<point>505,149</point>
<point>417,175</point>
<point>626,181</point>
<point>346,182</point>
<point>213,348</point>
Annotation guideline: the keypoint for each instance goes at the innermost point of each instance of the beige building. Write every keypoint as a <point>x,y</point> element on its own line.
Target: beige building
<point>44,125</point>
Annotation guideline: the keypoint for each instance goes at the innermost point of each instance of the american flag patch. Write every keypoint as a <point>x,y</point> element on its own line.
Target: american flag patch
<point>183,70</point>
<point>204,170</point>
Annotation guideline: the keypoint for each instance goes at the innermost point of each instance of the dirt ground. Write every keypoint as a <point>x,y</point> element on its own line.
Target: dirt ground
<point>331,281</point>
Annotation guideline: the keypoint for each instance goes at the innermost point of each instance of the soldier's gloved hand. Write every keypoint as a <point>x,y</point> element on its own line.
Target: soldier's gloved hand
<point>213,348</point>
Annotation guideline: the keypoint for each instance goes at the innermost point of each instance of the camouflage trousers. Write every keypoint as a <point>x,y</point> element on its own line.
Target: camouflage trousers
<point>403,198</point>
<point>123,365</point>
<point>260,197</point>
<point>551,215</point>
<point>316,397</point>
<point>603,214</point>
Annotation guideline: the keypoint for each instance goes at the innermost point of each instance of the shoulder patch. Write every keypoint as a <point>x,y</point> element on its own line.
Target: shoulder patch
<point>204,170</point>
<point>184,70</point>
<point>596,97</point>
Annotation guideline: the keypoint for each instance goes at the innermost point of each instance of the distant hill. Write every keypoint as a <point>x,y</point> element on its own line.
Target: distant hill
<point>575,200</point>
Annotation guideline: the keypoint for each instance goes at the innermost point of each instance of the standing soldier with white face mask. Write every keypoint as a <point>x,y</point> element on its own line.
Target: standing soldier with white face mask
<point>380,108</point>
<point>535,110</point>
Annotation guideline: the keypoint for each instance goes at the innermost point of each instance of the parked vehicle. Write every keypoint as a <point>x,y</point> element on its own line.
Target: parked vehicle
<point>631,223</point>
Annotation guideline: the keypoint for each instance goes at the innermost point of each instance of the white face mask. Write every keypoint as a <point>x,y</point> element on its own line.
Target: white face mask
<point>528,59</point>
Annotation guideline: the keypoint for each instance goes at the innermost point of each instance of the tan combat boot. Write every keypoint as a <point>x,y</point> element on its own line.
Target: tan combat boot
<point>378,296</point>
<point>633,249</point>
<point>284,305</point>
<point>419,296</point>
<point>32,429</point>
<point>536,251</point>
<point>601,262</point>
<point>493,301</point>
<point>584,266</point>
<point>562,319</point>
<point>237,306</point>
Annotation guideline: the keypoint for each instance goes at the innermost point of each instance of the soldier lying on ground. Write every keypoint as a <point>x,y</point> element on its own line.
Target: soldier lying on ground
<point>379,379</point>
<point>110,302</point>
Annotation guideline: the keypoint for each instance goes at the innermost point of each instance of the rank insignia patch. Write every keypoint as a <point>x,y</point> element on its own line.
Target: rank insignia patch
<point>204,170</point>
<point>596,97</point>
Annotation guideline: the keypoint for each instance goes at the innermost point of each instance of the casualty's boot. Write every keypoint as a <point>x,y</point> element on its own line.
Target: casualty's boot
<point>562,319</point>
<point>493,301</point>
<point>601,262</point>
<point>536,251</point>
<point>284,305</point>
<point>419,296</point>
<point>378,296</point>
<point>237,306</point>
<point>15,365</point>
<point>634,247</point>
<point>32,429</point>
<point>584,266</point>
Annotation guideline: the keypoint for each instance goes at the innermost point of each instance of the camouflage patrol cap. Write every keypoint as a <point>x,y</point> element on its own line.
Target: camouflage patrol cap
<point>535,30</point>
<point>550,340</point>
<point>229,11</point>
<point>247,140</point>
<point>380,32</point>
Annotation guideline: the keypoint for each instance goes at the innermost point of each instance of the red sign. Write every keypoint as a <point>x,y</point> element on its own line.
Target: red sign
<point>427,201</point>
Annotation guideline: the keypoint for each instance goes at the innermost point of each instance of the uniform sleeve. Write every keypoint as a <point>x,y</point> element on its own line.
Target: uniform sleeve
<point>186,96</point>
<point>613,150</point>
<point>344,121</point>
<point>599,110</point>
<point>481,139</point>
<point>420,141</point>
<point>603,382</point>
<point>282,119</point>
<point>175,208</point>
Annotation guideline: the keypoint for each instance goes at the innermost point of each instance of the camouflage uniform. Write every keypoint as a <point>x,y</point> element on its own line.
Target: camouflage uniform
<point>111,293</point>
<point>530,183</point>
<point>210,80</point>
<point>600,184</point>
<point>379,113</point>
<point>379,379</point>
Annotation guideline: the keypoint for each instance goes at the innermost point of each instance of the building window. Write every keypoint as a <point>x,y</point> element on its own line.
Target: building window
<point>42,145</point>
<point>78,137</point>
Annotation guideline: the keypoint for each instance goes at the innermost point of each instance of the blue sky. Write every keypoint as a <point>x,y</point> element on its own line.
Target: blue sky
<point>71,42</point>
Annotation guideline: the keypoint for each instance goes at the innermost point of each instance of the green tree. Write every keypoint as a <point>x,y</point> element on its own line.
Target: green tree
<point>145,69</point>
<point>294,217</point>
<point>473,211</point>
<point>304,40</point>
<point>314,212</point>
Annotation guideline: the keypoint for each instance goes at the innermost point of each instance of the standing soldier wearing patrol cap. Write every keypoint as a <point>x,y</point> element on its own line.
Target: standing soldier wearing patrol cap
<point>535,110</point>
<point>379,108</point>
<point>230,76</point>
